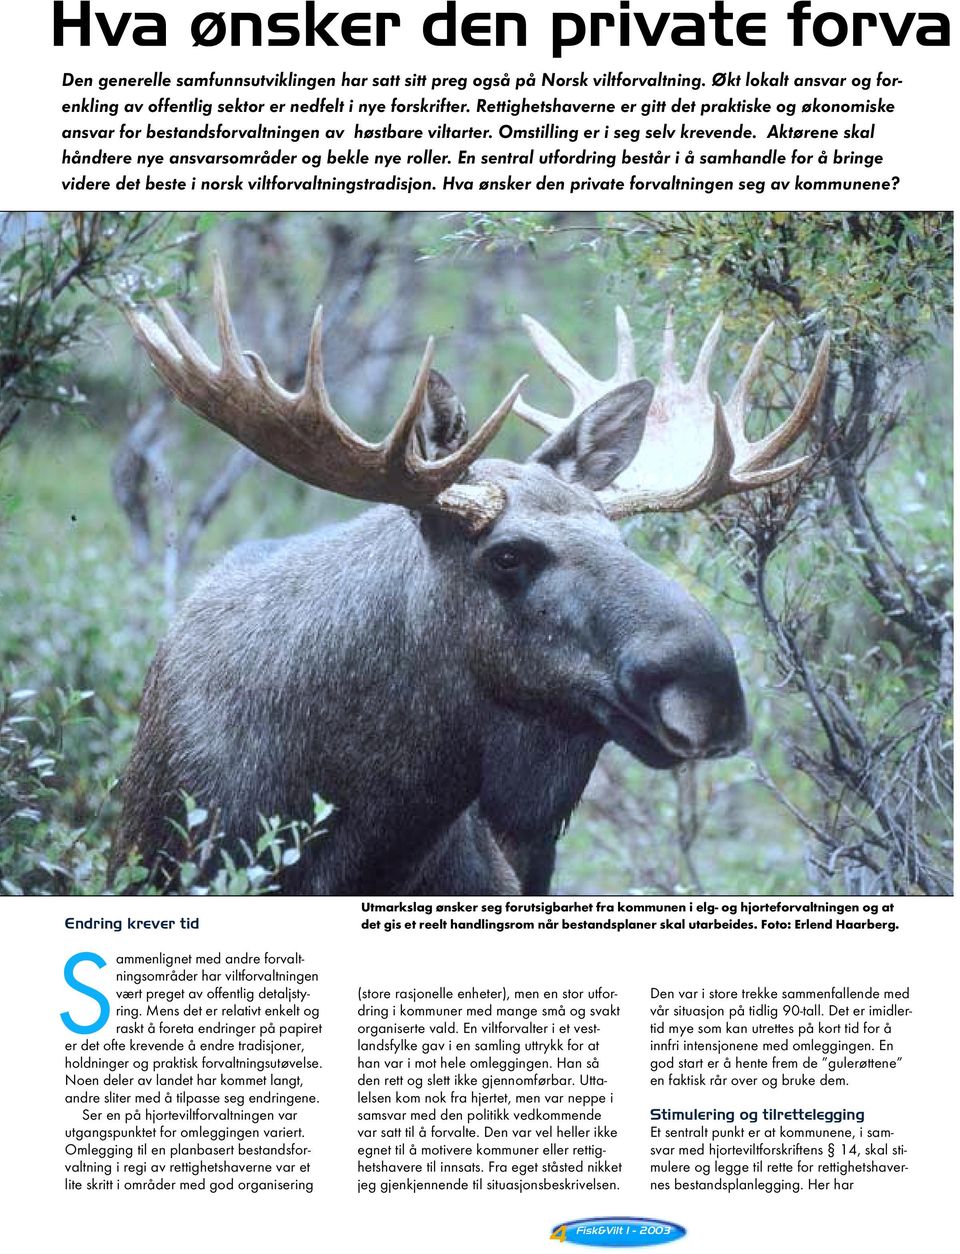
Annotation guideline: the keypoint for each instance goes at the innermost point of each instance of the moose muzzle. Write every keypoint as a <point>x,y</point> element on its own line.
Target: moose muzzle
<point>678,695</point>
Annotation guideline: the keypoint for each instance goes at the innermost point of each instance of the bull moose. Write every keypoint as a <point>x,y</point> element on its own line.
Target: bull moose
<point>446,668</point>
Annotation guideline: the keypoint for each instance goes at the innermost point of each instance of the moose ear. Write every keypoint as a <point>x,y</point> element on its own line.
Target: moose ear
<point>602,441</point>
<point>442,425</point>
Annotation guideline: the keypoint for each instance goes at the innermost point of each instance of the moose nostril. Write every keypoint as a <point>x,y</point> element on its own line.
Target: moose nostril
<point>688,720</point>
<point>702,724</point>
<point>687,694</point>
<point>640,682</point>
<point>682,744</point>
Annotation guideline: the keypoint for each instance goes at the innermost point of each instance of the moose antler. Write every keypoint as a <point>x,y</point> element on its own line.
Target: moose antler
<point>301,432</point>
<point>694,449</point>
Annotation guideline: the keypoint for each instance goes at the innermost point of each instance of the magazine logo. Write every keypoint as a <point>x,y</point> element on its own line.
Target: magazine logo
<point>618,1230</point>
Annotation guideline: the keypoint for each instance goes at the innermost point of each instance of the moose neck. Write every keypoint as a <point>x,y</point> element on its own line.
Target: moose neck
<point>413,719</point>
<point>396,704</point>
<point>532,767</point>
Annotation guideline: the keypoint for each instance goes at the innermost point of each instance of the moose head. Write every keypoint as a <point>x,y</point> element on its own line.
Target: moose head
<point>445,670</point>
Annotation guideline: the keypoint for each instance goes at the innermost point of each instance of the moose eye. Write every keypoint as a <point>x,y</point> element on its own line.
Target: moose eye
<point>514,563</point>
<point>506,558</point>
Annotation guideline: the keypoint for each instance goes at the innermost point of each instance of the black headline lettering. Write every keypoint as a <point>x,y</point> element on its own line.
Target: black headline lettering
<point>447,27</point>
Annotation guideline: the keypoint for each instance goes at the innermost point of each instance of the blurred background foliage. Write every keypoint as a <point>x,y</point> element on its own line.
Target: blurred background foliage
<point>834,588</point>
